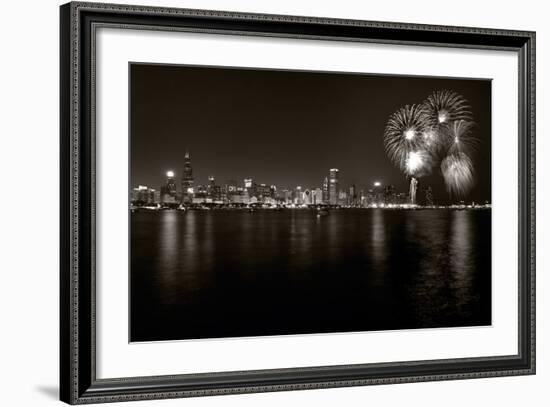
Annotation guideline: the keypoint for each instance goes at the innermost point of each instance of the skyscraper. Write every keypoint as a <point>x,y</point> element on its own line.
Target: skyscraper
<point>250,187</point>
<point>370,198</point>
<point>273,190</point>
<point>214,192</point>
<point>333,186</point>
<point>390,195</point>
<point>352,196</point>
<point>187,179</point>
<point>325,190</point>
<point>378,191</point>
<point>263,192</point>
<point>343,197</point>
<point>306,197</point>
<point>168,191</point>
<point>287,196</point>
<point>298,196</point>
<point>317,196</point>
<point>362,198</point>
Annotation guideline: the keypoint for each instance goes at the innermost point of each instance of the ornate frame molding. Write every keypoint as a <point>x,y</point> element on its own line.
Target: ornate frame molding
<point>79,384</point>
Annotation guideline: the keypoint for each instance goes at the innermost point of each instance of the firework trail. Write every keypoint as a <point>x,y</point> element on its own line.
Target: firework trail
<point>404,139</point>
<point>458,173</point>
<point>461,137</point>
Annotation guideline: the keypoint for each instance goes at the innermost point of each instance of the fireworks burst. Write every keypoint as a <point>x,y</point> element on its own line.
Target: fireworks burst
<point>458,172</point>
<point>445,106</point>
<point>418,163</point>
<point>404,134</point>
<point>418,137</point>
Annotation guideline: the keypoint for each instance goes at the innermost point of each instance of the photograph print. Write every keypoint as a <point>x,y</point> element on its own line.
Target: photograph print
<point>280,202</point>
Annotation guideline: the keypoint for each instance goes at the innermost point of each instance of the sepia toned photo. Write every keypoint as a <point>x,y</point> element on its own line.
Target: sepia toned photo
<point>274,202</point>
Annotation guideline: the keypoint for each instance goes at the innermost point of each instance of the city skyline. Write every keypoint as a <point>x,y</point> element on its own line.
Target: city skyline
<point>299,125</point>
<point>252,191</point>
<point>183,178</point>
<point>365,188</point>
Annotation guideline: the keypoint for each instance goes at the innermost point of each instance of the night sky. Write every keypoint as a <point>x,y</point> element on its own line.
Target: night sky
<point>286,128</point>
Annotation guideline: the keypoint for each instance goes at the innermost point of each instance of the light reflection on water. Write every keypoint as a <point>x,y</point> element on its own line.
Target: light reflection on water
<point>378,239</point>
<point>168,261</point>
<point>443,244</point>
<point>210,273</point>
<point>302,235</point>
<point>461,264</point>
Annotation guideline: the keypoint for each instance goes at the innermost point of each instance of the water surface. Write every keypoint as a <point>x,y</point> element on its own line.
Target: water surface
<point>227,273</point>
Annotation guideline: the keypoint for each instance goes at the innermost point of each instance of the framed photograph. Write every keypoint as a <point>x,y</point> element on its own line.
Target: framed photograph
<point>256,203</point>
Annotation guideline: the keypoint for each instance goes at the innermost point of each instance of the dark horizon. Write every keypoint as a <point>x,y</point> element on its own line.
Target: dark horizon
<point>285,128</point>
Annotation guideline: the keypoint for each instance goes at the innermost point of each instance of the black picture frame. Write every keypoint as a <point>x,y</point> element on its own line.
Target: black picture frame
<point>78,381</point>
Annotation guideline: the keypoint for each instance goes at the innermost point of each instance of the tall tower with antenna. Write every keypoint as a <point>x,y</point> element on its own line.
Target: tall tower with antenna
<point>187,182</point>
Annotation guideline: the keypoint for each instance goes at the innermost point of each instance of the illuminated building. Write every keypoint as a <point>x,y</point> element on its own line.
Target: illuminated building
<point>352,196</point>
<point>168,191</point>
<point>200,194</point>
<point>343,198</point>
<point>273,191</point>
<point>298,198</point>
<point>317,196</point>
<point>187,180</point>
<point>213,191</point>
<point>246,196</point>
<point>402,198</point>
<point>250,187</point>
<point>232,193</point>
<point>390,195</point>
<point>325,190</point>
<point>231,186</point>
<point>370,198</point>
<point>239,197</point>
<point>333,186</point>
<point>378,192</point>
<point>262,192</point>
<point>287,196</point>
<point>306,197</point>
<point>143,195</point>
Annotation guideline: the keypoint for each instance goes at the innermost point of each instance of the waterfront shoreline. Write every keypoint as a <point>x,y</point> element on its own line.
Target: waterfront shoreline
<point>304,208</point>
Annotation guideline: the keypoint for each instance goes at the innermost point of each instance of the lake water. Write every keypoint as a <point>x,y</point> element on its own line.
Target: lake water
<point>229,273</point>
